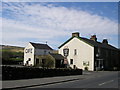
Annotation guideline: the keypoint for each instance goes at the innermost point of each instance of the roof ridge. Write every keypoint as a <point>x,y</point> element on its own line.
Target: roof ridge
<point>41,46</point>
<point>91,42</point>
<point>90,39</point>
<point>38,43</point>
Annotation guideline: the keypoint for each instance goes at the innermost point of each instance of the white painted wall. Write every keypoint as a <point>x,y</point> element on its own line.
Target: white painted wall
<point>29,55</point>
<point>35,52</point>
<point>85,52</point>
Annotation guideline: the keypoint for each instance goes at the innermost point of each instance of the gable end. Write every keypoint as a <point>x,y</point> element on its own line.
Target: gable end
<point>72,38</point>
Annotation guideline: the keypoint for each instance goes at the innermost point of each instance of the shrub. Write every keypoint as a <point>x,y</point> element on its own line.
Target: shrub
<point>49,62</point>
<point>12,73</point>
<point>45,61</point>
<point>86,68</point>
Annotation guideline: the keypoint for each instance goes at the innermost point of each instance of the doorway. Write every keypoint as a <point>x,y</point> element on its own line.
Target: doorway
<point>99,64</point>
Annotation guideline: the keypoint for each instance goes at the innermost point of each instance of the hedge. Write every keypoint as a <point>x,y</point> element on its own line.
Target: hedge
<point>11,62</point>
<point>15,73</point>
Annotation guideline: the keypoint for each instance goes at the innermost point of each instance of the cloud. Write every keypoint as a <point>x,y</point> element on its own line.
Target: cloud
<point>47,21</point>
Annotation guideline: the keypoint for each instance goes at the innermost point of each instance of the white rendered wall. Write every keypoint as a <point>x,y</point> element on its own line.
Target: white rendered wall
<point>29,55</point>
<point>85,53</point>
<point>35,52</point>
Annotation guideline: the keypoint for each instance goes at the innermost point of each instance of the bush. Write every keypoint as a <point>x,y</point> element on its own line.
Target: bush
<point>86,68</point>
<point>45,61</point>
<point>49,62</point>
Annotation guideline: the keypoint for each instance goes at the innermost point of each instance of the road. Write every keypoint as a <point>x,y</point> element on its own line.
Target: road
<point>105,80</point>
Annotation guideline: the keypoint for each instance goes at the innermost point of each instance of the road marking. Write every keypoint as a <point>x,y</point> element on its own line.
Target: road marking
<point>106,82</point>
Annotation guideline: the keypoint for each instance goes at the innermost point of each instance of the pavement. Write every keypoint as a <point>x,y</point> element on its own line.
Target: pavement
<point>25,83</point>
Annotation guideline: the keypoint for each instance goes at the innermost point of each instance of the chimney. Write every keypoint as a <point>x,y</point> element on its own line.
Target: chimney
<point>93,37</point>
<point>76,34</point>
<point>105,41</point>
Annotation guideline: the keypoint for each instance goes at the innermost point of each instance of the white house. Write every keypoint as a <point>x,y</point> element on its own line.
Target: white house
<point>32,50</point>
<point>88,54</point>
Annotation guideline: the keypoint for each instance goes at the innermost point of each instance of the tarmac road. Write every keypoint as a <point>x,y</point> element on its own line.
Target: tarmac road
<point>109,80</point>
<point>101,79</point>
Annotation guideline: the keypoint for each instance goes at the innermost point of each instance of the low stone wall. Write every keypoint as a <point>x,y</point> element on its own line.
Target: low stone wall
<point>14,73</point>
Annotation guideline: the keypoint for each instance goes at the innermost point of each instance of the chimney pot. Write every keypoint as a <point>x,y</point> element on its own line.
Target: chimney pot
<point>105,41</point>
<point>76,34</point>
<point>93,37</point>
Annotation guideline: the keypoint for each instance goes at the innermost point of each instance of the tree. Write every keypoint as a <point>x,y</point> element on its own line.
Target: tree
<point>49,61</point>
<point>45,61</point>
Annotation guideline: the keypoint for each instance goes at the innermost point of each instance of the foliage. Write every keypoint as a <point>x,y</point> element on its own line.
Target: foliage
<point>86,68</point>
<point>45,61</point>
<point>9,57</point>
<point>12,73</point>
<point>49,61</point>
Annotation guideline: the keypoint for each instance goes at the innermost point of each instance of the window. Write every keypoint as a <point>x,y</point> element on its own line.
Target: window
<point>99,50</point>
<point>71,61</point>
<point>75,51</point>
<point>85,63</point>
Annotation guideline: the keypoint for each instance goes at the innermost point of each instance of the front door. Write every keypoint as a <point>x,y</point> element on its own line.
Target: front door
<point>99,64</point>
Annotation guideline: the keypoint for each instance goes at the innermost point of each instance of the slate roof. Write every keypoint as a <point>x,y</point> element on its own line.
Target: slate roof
<point>57,56</point>
<point>99,44</point>
<point>41,46</point>
<point>92,43</point>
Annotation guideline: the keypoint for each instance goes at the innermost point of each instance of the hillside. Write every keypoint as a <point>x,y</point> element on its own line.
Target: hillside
<point>11,54</point>
<point>11,48</point>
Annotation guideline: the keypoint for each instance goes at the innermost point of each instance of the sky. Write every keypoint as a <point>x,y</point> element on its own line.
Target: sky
<point>54,22</point>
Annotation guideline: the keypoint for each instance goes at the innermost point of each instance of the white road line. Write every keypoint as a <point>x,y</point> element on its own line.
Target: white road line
<point>106,82</point>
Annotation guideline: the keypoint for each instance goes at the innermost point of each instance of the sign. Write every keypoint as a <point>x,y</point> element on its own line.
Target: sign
<point>28,50</point>
<point>66,52</point>
<point>65,61</point>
